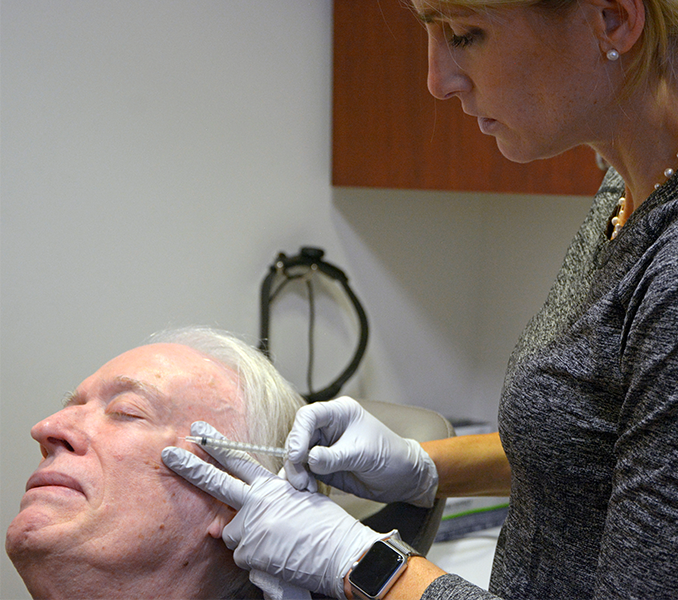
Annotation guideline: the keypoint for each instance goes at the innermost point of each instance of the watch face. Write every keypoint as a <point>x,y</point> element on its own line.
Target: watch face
<point>375,569</point>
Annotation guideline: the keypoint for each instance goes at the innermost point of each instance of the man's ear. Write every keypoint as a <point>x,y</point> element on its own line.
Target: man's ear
<point>619,23</point>
<point>222,518</point>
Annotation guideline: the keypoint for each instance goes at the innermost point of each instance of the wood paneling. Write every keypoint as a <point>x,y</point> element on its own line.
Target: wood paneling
<point>389,132</point>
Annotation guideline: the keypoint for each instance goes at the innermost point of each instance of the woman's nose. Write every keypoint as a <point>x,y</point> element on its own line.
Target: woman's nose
<point>445,77</point>
<point>62,431</point>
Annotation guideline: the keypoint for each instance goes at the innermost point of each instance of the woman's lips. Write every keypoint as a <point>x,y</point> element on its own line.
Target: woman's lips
<point>486,125</point>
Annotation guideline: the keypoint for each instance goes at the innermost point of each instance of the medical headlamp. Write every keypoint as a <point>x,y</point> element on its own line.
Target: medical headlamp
<point>303,266</point>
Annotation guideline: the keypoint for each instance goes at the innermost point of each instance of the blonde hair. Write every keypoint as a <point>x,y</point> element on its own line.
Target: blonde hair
<point>656,59</point>
<point>660,40</point>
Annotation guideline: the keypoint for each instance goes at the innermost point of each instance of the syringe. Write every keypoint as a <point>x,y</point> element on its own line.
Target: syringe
<point>204,440</point>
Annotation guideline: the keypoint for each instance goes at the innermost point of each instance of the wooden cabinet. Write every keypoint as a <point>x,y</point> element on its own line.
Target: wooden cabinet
<point>389,132</point>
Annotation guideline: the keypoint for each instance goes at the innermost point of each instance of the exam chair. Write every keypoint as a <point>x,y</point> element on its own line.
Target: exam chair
<point>417,526</point>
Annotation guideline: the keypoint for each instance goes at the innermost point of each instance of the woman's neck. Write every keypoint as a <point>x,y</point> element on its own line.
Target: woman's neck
<point>645,143</point>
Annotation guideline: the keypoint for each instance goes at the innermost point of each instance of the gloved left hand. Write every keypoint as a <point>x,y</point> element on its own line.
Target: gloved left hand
<point>277,589</point>
<point>301,537</point>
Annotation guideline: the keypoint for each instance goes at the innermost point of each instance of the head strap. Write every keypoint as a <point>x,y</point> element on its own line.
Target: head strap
<point>283,267</point>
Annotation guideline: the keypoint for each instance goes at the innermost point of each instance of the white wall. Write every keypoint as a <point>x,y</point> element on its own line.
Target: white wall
<point>157,154</point>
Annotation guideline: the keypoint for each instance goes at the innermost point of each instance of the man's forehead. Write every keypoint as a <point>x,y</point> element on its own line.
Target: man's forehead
<point>171,374</point>
<point>161,361</point>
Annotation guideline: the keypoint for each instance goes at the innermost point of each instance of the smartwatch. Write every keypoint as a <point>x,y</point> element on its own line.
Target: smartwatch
<point>373,575</point>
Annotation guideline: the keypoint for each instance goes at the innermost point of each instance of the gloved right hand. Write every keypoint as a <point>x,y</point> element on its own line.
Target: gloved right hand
<point>348,448</point>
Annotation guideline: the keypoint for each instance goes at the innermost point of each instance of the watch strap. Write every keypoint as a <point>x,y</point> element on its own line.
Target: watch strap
<point>404,547</point>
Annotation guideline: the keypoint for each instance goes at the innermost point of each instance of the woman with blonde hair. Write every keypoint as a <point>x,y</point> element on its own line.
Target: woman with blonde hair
<point>588,420</point>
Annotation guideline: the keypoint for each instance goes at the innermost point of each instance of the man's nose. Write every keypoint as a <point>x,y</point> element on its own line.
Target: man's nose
<point>62,431</point>
<point>445,77</point>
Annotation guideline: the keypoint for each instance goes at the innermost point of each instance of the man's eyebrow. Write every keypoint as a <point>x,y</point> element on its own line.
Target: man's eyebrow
<point>156,402</point>
<point>71,399</point>
<point>117,385</point>
<point>122,383</point>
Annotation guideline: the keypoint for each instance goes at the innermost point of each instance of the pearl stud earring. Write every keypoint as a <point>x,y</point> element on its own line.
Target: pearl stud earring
<point>612,55</point>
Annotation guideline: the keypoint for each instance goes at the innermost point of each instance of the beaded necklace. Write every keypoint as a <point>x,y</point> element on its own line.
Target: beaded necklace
<point>619,217</point>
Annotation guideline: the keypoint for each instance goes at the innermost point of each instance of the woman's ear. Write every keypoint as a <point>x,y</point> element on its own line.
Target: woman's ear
<point>620,23</point>
<point>222,518</point>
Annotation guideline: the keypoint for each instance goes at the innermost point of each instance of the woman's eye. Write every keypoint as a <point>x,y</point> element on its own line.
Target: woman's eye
<point>465,40</point>
<point>461,41</point>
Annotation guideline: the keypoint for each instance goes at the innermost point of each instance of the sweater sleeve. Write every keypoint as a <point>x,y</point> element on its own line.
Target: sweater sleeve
<point>640,541</point>
<point>453,587</point>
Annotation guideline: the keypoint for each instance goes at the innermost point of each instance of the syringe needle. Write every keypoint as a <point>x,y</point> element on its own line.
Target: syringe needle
<point>204,440</point>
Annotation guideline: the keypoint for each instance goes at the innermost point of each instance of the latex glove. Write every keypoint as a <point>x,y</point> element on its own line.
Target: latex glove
<point>349,449</point>
<point>302,538</point>
<point>276,589</point>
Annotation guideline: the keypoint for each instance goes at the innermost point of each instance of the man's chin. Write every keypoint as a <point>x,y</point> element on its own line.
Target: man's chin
<point>33,539</point>
<point>38,527</point>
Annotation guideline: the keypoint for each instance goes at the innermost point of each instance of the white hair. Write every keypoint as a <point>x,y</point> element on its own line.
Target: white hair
<point>270,401</point>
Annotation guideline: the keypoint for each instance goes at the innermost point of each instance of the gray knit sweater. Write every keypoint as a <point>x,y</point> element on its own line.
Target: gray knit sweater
<point>589,421</point>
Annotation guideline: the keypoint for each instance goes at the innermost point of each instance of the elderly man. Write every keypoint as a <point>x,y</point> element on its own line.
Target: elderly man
<point>102,517</point>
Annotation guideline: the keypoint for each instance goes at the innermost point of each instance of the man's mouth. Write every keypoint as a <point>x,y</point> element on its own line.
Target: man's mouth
<point>53,479</point>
